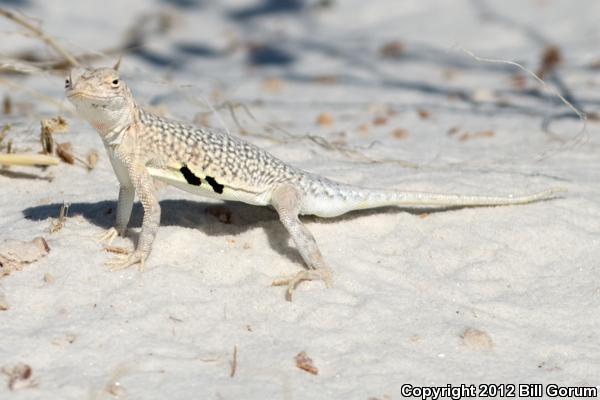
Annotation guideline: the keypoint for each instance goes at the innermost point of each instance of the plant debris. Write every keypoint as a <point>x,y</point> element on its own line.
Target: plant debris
<point>15,254</point>
<point>551,57</point>
<point>304,362</point>
<point>400,133</point>
<point>380,120</point>
<point>233,362</point>
<point>477,339</point>
<point>19,376</point>
<point>477,135</point>
<point>28,159</point>
<point>65,152</point>
<point>325,119</point>
<point>92,159</point>
<point>393,49</point>
<point>59,223</point>
<point>50,126</point>
<point>423,114</point>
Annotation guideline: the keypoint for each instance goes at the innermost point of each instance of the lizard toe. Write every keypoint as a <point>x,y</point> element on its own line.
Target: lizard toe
<point>108,236</point>
<point>322,274</point>
<point>127,260</point>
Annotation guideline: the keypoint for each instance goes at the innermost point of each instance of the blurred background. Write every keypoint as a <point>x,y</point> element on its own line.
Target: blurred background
<point>340,69</point>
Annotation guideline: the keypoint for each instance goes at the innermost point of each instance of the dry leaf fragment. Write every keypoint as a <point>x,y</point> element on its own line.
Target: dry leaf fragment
<point>65,152</point>
<point>65,340</point>
<point>424,114</point>
<point>92,159</point>
<point>19,376</point>
<point>304,362</point>
<point>485,134</point>
<point>453,131</point>
<point>477,339</point>
<point>400,133</point>
<point>56,125</point>
<point>393,49</point>
<point>48,278</point>
<point>551,57</point>
<point>325,119</point>
<point>464,137</point>
<point>15,254</point>
<point>380,120</point>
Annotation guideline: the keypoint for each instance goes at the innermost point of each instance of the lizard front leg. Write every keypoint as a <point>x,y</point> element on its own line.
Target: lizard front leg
<point>124,207</point>
<point>287,200</point>
<point>144,186</point>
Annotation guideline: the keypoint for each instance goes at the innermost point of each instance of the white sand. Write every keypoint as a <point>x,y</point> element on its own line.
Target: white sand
<point>406,287</point>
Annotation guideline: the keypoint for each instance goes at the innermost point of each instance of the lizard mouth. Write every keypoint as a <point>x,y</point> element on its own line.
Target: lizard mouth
<point>79,95</point>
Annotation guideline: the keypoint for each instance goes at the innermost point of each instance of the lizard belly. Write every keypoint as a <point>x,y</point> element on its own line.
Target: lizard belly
<point>209,188</point>
<point>119,168</point>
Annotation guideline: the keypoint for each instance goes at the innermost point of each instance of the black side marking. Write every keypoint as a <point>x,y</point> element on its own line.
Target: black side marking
<point>189,176</point>
<point>217,187</point>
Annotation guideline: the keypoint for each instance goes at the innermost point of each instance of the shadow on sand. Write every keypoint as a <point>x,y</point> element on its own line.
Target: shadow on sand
<point>202,216</point>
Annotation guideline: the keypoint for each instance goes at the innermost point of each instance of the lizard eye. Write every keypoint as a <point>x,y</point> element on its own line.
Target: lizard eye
<point>115,83</point>
<point>67,83</point>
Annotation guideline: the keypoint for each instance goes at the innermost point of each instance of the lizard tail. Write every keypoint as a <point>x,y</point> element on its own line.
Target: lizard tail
<point>336,199</point>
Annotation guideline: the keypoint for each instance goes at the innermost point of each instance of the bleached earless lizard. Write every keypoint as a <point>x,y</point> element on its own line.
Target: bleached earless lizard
<point>143,147</point>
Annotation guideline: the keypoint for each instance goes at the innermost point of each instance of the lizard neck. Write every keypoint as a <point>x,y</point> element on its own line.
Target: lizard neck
<point>113,129</point>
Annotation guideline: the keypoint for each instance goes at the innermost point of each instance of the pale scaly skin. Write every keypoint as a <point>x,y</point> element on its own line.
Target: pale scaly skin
<point>143,147</point>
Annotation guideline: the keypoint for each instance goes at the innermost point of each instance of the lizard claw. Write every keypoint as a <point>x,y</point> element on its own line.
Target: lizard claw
<point>322,274</point>
<point>127,260</point>
<point>108,236</point>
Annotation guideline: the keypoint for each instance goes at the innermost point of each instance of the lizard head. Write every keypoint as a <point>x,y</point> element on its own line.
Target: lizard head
<point>101,97</point>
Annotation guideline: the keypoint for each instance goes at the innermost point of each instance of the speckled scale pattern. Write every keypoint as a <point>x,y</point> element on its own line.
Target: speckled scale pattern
<point>215,152</point>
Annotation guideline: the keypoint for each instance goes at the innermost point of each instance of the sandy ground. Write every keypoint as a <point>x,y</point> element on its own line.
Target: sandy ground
<point>505,295</point>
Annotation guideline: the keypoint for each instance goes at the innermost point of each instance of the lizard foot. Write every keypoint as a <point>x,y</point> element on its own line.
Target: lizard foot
<point>127,260</point>
<point>108,236</point>
<point>322,274</point>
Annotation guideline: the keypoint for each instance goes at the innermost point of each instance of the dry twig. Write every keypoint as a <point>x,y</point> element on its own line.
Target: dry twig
<point>58,224</point>
<point>233,362</point>
<point>304,362</point>
<point>28,159</point>
<point>40,34</point>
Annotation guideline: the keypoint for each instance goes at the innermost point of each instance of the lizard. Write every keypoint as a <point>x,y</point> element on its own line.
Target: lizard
<point>144,148</point>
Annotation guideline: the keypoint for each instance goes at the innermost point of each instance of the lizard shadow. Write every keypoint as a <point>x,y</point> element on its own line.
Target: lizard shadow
<point>213,219</point>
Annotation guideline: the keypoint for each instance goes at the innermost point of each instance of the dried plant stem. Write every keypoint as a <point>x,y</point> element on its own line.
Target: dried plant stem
<point>38,32</point>
<point>578,138</point>
<point>28,159</point>
<point>233,363</point>
<point>38,95</point>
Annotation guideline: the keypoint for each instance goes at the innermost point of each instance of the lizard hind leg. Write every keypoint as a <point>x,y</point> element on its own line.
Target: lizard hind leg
<point>287,201</point>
